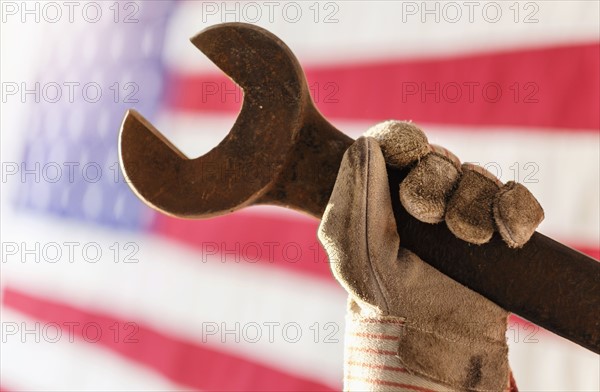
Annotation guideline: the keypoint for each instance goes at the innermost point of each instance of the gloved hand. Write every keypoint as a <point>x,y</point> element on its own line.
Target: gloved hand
<point>410,327</point>
<point>469,198</point>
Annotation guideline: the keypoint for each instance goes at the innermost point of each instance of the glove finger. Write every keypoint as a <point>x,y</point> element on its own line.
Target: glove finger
<point>358,228</point>
<point>469,214</point>
<point>517,214</point>
<point>425,190</point>
<point>402,143</point>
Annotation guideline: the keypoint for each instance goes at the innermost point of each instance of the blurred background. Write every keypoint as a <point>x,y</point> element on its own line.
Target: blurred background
<point>100,293</point>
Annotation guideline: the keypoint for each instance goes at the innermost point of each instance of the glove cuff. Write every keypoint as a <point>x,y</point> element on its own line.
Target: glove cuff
<point>386,353</point>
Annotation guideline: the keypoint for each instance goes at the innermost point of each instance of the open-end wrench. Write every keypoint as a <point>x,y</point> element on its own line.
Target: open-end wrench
<point>282,151</point>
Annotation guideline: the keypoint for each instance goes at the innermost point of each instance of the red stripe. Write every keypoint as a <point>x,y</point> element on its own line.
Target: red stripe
<point>372,351</point>
<point>375,336</point>
<point>372,366</point>
<point>181,361</point>
<point>588,250</point>
<point>563,80</point>
<point>243,235</point>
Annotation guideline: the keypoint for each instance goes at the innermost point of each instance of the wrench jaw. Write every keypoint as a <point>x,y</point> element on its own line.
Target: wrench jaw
<point>244,166</point>
<point>168,181</point>
<point>148,161</point>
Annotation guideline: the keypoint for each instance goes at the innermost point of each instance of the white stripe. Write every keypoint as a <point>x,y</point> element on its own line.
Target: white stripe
<point>545,362</point>
<point>566,165</point>
<point>42,360</point>
<point>172,289</point>
<point>369,30</point>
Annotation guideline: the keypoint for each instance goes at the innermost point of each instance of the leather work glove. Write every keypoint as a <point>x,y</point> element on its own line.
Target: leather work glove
<point>410,327</point>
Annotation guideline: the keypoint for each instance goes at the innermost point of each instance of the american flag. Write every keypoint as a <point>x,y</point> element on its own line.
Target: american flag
<point>101,293</point>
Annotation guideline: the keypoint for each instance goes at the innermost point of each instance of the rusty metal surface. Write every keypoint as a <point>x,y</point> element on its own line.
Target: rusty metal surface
<point>282,151</point>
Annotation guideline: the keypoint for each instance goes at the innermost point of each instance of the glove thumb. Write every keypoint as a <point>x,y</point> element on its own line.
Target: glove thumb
<point>358,229</point>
